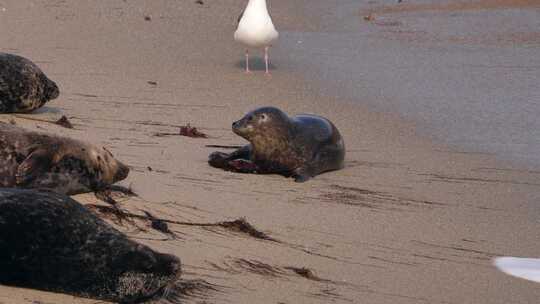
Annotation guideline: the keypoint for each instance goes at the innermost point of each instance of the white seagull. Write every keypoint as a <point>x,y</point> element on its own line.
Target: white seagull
<point>255,29</point>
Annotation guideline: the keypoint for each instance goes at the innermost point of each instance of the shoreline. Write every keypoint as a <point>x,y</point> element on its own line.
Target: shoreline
<point>406,221</point>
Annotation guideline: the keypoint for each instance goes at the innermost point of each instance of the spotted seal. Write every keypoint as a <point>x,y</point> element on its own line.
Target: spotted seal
<point>37,160</point>
<point>50,242</point>
<point>23,86</point>
<point>301,146</point>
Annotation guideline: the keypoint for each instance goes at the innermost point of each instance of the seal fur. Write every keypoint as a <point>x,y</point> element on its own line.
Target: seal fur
<point>23,86</point>
<point>50,242</point>
<point>302,146</point>
<point>37,160</point>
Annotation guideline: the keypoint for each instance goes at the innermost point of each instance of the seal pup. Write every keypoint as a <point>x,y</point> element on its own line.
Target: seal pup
<point>23,86</point>
<point>50,242</point>
<point>37,160</point>
<point>256,29</point>
<point>301,146</point>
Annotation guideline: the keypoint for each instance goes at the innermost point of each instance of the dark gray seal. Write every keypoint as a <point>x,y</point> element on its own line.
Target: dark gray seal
<point>23,86</point>
<point>301,146</point>
<point>50,242</point>
<point>37,160</point>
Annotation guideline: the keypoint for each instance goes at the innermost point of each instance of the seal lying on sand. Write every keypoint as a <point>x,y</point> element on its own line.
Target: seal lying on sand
<point>23,86</point>
<point>35,160</point>
<point>301,146</point>
<point>50,242</point>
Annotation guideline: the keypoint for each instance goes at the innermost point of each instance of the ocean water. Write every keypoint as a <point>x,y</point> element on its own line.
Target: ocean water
<point>463,77</point>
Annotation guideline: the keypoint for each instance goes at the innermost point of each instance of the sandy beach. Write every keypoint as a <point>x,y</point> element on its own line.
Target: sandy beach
<point>409,219</point>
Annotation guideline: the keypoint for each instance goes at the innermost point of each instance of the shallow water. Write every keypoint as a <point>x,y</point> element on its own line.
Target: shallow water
<point>468,78</point>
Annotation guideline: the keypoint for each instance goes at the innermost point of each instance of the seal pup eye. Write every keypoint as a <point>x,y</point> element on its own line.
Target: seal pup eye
<point>264,117</point>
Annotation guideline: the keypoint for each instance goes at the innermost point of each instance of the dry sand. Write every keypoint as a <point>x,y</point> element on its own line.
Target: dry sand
<point>407,220</point>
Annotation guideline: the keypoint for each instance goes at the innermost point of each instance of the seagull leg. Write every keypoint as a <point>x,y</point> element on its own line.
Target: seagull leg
<point>247,62</point>
<point>266,59</point>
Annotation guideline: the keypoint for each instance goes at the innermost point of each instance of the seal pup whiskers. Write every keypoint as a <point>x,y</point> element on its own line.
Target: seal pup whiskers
<point>38,160</point>
<point>301,146</point>
<point>50,242</point>
<point>23,86</point>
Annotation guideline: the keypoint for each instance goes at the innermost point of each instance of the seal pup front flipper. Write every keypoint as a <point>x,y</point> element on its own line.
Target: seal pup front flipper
<point>36,163</point>
<point>226,161</point>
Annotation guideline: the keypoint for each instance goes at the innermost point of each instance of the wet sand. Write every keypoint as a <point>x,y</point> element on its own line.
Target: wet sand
<point>407,221</point>
<point>467,76</point>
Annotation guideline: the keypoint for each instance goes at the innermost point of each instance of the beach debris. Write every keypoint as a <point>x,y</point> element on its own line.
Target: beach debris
<point>258,267</point>
<point>306,273</point>
<point>159,224</point>
<point>147,18</point>
<point>240,225</point>
<point>127,191</point>
<point>186,130</point>
<point>106,195</point>
<point>114,213</point>
<point>243,226</point>
<point>370,17</point>
<point>150,82</point>
<point>149,168</point>
<point>190,131</point>
<point>12,121</point>
<point>64,122</point>
<point>199,289</point>
<point>199,2</point>
<point>223,146</point>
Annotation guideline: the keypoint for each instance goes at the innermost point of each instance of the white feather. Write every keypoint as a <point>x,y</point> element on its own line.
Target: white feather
<point>525,268</point>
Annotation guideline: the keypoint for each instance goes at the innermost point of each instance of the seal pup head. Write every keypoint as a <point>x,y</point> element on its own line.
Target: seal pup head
<point>23,85</point>
<point>262,124</point>
<point>50,89</point>
<point>268,129</point>
<point>102,161</point>
<point>44,90</point>
<point>69,166</point>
